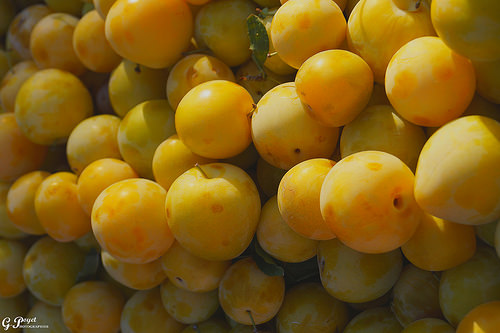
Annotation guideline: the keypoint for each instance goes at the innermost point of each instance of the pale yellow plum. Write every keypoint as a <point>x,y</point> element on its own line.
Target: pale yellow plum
<point>464,32</point>
<point>481,319</point>
<point>415,295</point>
<point>46,314</point>
<point>221,26</point>
<point>429,84</point>
<point>91,46</point>
<point>472,283</point>
<point>20,202</point>
<point>190,272</point>
<point>192,70</point>
<point>308,308</point>
<point>97,176</point>
<point>172,158</point>
<point>278,239</point>
<point>379,127</point>
<point>58,209</point>
<point>246,159</point>
<point>93,307</point>
<point>274,62</point>
<point>268,177</point>
<point>8,230</point>
<point>283,132</point>
<point>212,325</point>
<point>486,232</point>
<point>13,307</point>
<point>103,7</point>
<point>73,7</point>
<point>131,84</point>
<point>367,200</point>
<point>250,77</point>
<point>20,28</point>
<point>213,210</point>
<point>392,24</point>
<point>449,190</point>
<point>488,82</point>
<point>379,319</point>
<point>18,155</point>
<point>438,244</point>
<point>144,313</point>
<point>12,254</point>
<point>298,198</point>
<point>245,292</point>
<point>92,139</point>
<point>50,104</point>
<point>186,306</point>
<point>429,325</point>
<point>50,269</point>
<point>213,119</point>
<point>142,130</point>
<point>335,86</point>
<point>7,14</point>
<point>300,29</point>
<point>12,81</point>
<point>51,43</point>
<point>356,277</point>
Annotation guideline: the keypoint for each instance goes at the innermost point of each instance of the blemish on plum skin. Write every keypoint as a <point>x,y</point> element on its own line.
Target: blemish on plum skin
<point>374,166</point>
<point>296,150</point>
<point>216,208</point>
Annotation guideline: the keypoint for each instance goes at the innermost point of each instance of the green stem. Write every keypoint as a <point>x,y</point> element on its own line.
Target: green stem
<point>255,330</point>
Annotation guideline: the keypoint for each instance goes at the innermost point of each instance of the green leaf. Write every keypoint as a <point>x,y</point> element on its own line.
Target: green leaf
<point>259,41</point>
<point>266,263</point>
<point>90,266</point>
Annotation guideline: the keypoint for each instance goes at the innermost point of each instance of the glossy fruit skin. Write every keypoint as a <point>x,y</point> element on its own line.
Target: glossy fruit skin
<point>214,216</point>
<point>451,192</point>
<point>129,222</point>
<point>151,33</point>
<point>12,254</point>
<point>483,317</point>
<point>301,29</point>
<point>60,104</point>
<point>7,229</point>
<point>12,81</point>
<point>379,319</point>
<point>335,86</point>
<point>425,74</point>
<point>245,288</point>
<point>212,119</point>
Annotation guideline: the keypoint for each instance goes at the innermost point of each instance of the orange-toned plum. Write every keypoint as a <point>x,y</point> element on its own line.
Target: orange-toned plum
<point>128,220</point>
<point>12,254</point>
<point>18,155</point>
<point>470,284</point>
<point>58,209</point>
<point>379,127</point>
<point>46,314</point>
<point>483,318</point>
<point>221,26</point>
<point>50,104</point>
<point>367,200</point>
<point>190,272</point>
<point>212,325</point>
<point>308,308</point>
<point>285,134</point>
<point>300,29</point>
<point>172,158</point>
<point>192,70</point>
<point>51,43</point>
<point>93,307</point>
<point>298,198</point>
<point>213,210</point>
<point>357,277</point>
<point>97,176</point>
<point>335,86</point>
<point>21,202</point>
<point>8,230</point>
<point>142,130</point>
<point>12,81</point>
<point>379,319</point>
<point>268,177</point>
<point>488,82</point>
<point>438,244</point>
<point>149,32</point>
<point>247,295</point>
<point>92,139</point>
<point>131,84</point>
<point>429,84</point>
<point>186,306</point>
<point>468,193</point>
<point>278,239</point>
<point>213,119</point>
<point>429,325</point>
<point>135,276</point>
<point>415,295</point>
<point>50,269</point>
<point>21,26</point>
<point>91,46</point>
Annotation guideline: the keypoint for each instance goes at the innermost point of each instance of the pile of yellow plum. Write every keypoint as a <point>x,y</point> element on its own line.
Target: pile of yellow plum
<point>250,166</point>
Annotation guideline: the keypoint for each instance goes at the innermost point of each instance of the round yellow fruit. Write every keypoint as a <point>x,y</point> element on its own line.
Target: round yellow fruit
<point>483,318</point>
<point>12,81</point>
<point>12,254</point>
